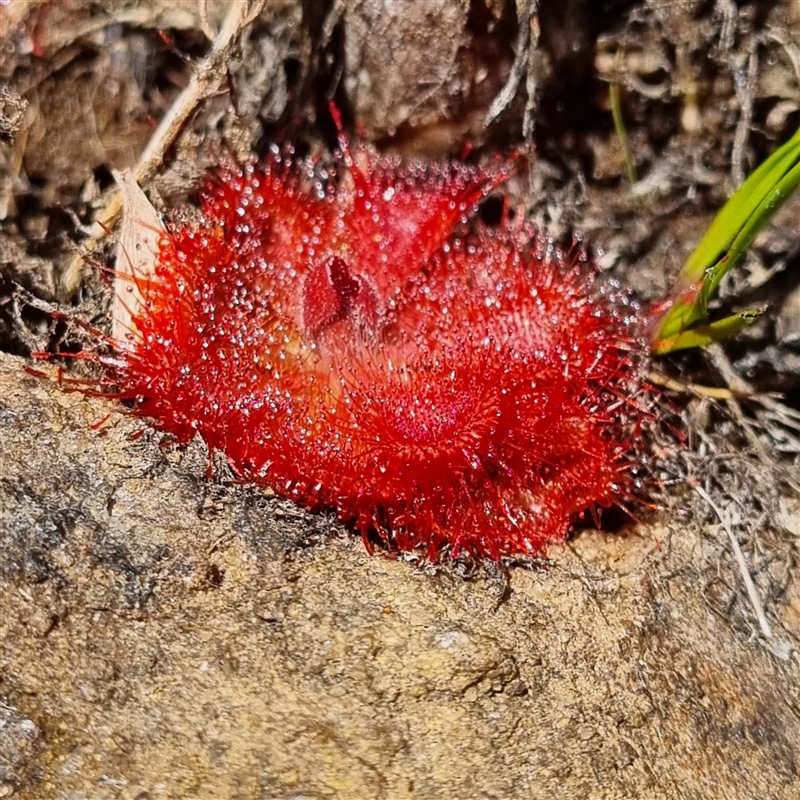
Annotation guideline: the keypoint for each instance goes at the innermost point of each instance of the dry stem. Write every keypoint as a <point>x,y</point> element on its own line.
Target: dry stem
<point>752,592</point>
<point>205,80</point>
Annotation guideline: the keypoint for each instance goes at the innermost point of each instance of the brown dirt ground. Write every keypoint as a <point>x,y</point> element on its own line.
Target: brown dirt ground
<point>168,633</point>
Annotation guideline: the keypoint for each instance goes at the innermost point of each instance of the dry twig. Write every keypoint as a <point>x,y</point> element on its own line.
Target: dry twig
<point>206,79</point>
<point>745,83</point>
<point>752,592</point>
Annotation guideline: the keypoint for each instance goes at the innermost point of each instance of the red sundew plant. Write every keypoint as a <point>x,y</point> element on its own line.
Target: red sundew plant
<point>358,339</point>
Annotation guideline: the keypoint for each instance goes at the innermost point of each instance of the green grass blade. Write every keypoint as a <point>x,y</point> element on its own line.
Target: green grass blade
<point>619,123</point>
<point>704,334</point>
<point>727,240</point>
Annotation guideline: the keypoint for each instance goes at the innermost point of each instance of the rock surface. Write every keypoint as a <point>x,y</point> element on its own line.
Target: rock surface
<point>166,635</point>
